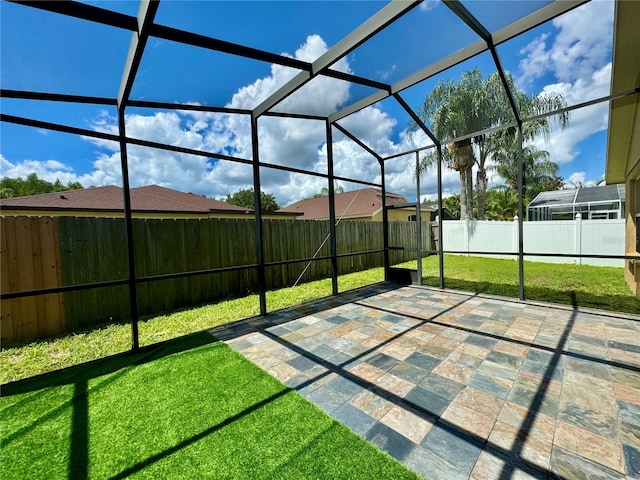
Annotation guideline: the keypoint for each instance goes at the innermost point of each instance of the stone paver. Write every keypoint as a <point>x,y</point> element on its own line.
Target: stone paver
<point>463,386</point>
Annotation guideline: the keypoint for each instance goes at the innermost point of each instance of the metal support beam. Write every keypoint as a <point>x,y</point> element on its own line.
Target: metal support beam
<point>146,14</point>
<point>210,43</point>
<point>418,220</point>
<point>365,147</point>
<point>373,25</point>
<point>505,85</point>
<point>385,225</point>
<point>28,122</point>
<point>537,18</point>
<point>299,116</point>
<point>186,107</point>
<point>440,218</point>
<point>128,220</point>
<point>408,152</point>
<point>332,213</point>
<point>467,17</point>
<point>416,118</point>
<point>85,12</point>
<point>262,281</point>
<point>349,77</point>
<point>520,215</point>
<point>56,97</point>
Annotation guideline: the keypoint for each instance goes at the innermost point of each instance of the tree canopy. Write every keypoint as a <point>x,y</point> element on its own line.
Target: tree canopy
<point>540,172</point>
<point>32,185</point>
<point>475,104</point>
<point>245,198</point>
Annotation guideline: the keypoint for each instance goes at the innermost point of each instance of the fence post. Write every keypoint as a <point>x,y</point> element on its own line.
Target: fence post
<point>578,236</point>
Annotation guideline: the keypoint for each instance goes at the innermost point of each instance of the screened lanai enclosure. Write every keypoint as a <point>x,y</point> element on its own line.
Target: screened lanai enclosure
<point>213,97</point>
<point>318,249</point>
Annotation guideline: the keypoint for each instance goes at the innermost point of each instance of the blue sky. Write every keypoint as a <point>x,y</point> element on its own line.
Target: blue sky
<point>41,51</point>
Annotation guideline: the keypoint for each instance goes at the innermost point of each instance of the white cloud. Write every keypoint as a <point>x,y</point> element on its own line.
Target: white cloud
<point>579,179</point>
<point>576,179</point>
<point>50,170</point>
<point>581,45</point>
<point>577,54</point>
<point>427,5</point>
<point>282,141</point>
<point>584,41</point>
<point>583,122</point>
<point>537,61</point>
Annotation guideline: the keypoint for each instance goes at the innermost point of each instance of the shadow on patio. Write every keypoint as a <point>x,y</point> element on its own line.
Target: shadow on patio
<point>460,386</point>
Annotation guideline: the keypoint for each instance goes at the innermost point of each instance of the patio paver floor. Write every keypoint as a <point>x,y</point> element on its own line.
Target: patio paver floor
<point>463,386</point>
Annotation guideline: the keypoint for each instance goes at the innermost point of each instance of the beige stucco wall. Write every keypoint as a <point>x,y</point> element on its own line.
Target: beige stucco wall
<point>632,180</point>
<point>632,270</point>
<point>400,215</point>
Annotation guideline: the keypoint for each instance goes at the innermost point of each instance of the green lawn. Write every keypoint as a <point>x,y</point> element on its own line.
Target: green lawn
<point>596,287</point>
<point>193,406</point>
<point>52,354</point>
<point>187,408</point>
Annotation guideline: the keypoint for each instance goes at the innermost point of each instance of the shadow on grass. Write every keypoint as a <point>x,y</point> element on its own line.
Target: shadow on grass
<point>103,366</point>
<point>614,303</point>
<point>113,369</point>
<point>79,376</point>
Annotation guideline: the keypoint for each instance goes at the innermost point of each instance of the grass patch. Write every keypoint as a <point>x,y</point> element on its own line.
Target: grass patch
<point>46,355</point>
<point>188,408</point>
<point>594,287</point>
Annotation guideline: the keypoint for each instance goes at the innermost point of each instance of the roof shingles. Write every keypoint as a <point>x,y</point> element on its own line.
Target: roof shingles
<point>364,202</point>
<point>152,198</point>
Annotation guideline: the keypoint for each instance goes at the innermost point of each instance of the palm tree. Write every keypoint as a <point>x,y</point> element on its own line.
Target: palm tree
<point>536,168</point>
<point>474,104</point>
<point>454,109</point>
<point>502,203</point>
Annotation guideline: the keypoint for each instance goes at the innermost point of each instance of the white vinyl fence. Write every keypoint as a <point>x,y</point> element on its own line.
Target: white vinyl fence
<point>569,237</point>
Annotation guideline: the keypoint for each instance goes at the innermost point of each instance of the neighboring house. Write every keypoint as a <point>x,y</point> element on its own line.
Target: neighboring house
<point>623,149</point>
<point>151,201</point>
<point>592,203</point>
<point>364,204</point>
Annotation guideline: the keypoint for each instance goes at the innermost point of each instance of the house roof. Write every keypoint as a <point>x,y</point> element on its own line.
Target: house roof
<point>356,203</point>
<point>152,198</point>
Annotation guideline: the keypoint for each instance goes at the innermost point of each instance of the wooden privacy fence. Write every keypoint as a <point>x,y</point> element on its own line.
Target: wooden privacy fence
<point>30,260</point>
<point>45,252</point>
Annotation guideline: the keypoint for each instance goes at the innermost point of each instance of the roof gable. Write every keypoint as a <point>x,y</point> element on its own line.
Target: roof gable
<point>364,202</point>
